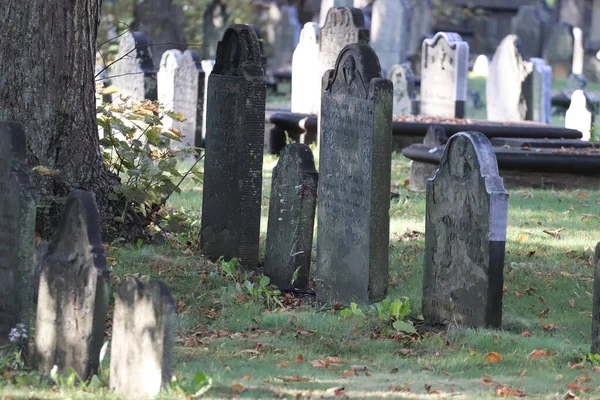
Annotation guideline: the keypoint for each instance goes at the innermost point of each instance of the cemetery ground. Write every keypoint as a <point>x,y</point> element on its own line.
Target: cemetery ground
<point>259,345</point>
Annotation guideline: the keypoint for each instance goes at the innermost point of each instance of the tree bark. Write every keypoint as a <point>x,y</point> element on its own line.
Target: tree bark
<point>47,56</point>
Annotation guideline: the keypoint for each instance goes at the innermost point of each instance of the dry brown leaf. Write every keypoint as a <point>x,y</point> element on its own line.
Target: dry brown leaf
<point>336,390</point>
<point>526,334</point>
<point>299,358</point>
<point>293,378</point>
<point>250,351</point>
<point>349,372</point>
<point>555,233</point>
<point>282,364</point>
<point>188,252</point>
<point>334,360</point>
<point>544,313</point>
<point>522,237</point>
<point>237,388</point>
<point>596,369</point>
<point>247,377</point>
<point>572,303</point>
<point>493,357</point>
<point>583,379</point>
<point>319,364</point>
<point>447,373</point>
<point>573,365</point>
<point>508,391</point>
<point>574,386</point>
<point>582,194</point>
<point>486,381</point>
<point>398,389</point>
<point>549,327</point>
<point>539,353</point>
<point>570,396</point>
<point>430,390</point>
<point>522,373</point>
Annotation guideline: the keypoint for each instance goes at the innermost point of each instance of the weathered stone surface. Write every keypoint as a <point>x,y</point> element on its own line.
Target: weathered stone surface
<point>291,218</point>
<point>421,24</point>
<point>327,5</point>
<point>578,51</point>
<point>17,221</point>
<point>133,72</point>
<point>559,50</point>
<point>444,69</point>
<point>596,305</point>
<point>143,338</point>
<point>306,77</point>
<point>529,27</point>
<point>73,293</point>
<point>214,25</point>
<point>283,31</point>
<point>465,235</point>
<point>354,179</point>
<point>207,67</point>
<point>390,31</point>
<point>580,114</point>
<point>538,92</point>
<point>405,93</point>
<point>234,149</point>
<point>508,71</point>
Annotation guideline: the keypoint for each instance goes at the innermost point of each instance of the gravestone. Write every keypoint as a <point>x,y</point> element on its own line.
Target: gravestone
<point>575,82</point>
<point>508,71</point>
<point>291,218</point>
<point>354,179</point>
<point>133,72</point>
<point>192,62</point>
<point>234,149</point>
<point>421,23</point>
<point>596,304</point>
<point>538,92</point>
<point>465,235</point>
<point>207,67</point>
<point>529,27</point>
<point>390,31</point>
<point>343,26</point>
<point>481,66</point>
<point>578,51</point>
<point>444,69</point>
<point>580,114</point>
<point>213,27</point>
<point>143,338</point>
<point>559,50</point>
<point>306,77</point>
<point>73,292</point>
<point>327,5</point>
<point>17,213</point>
<point>572,12</point>
<point>283,31</point>
<point>163,23</point>
<point>593,38</point>
<point>405,94</point>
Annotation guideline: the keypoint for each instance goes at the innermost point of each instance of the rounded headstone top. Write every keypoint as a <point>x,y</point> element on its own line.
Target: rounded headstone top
<point>310,33</point>
<point>345,17</point>
<point>238,53</point>
<point>302,154</point>
<point>195,57</point>
<point>456,149</point>
<point>170,60</point>
<point>578,99</point>
<point>452,38</point>
<point>135,45</point>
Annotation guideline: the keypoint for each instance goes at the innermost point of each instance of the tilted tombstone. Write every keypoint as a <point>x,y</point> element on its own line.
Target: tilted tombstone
<point>390,31</point>
<point>405,93</point>
<point>559,49</point>
<point>508,71</point>
<point>529,27</point>
<point>17,213</point>
<point>421,23</point>
<point>327,5</point>
<point>207,67</point>
<point>580,114</point>
<point>306,77</point>
<point>283,29</point>
<point>133,72</point>
<point>538,92</point>
<point>354,179</point>
<point>234,149</point>
<point>596,303</point>
<point>291,218</point>
<point>444,69</point>
<point>465,235</point>
<point>213,27</point>
<point>73,292</point>
<point>143,339</point>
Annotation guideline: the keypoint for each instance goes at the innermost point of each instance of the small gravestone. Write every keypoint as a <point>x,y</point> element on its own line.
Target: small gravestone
<point>207,67</point>
<point>559,50</point>
<point>580,114</point>
<point>193,64</point>
<point>17,216</point>
<point>421,22</point>
<point>327,5</point>
<point>141,357</point>
<point>596,304</point>
<point>444,69</point>
<point>283,29</point>
<point>508,71</point>
<point>578,51</point>
<point>390,31</point>
<point>354,179</point>
<point>538,92</point>
<point>405,93</point>
<point>73,293</point>
<point>481,66</point>
<point>343,26</point>
<point>435,135</point>
<point>465,235</point>
<point>214,25</point>
<point>133,71</point>
<point>291,218</point>
<point>234,149</point>
<point>529,27</point>
<point>306,78</point>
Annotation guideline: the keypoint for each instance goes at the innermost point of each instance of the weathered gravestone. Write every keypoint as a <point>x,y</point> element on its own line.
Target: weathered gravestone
<point>580,114</point>
<point>143,338</point>
<point>327,5</point>
<point>163,22</point>
<point>559,49</point>
<point>354,179</point>
<point>444,69</point>
<point>207,67</point>
<point>234,149</point>
<point>213,27</point>
<point>343,26</point>
<point>596,304</point>
<point>306,76</point>
<point>73,292</point>
<point>575,82</point>
<point>133,72</point>
<point>405,94</point>
<point>390,31</point>
<point>508,71</point>
<point>538,92</point>
<point>283,33</point>
<point>291,218</point>
<point>420,24</point>
<point>529,27</point>
<point>17,216</point>
<point>465,235</point>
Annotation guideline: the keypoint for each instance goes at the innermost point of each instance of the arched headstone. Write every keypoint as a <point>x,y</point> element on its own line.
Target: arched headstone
<point>306,76</point>
<point>405,93</point>
<point>133,72</point>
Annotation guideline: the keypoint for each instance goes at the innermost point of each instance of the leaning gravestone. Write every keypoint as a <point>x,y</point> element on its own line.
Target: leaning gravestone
<point>73,293</point>
<point>529,27</point>
<point>17,216</point>
<point>234,149</point>
<point>291,218</point>
<point>390,31</point>
<point>596,304</point>
<point>444,69</point>
<point>354,179</point>
<point>141,355</point>
<point>580,114</point>
<point>508,71</point>
<point>465,235</point>
<point>214,25</point>
<point>306,78</point>
<point>559,50</point>
<point>405,94</point>
<point>538,92</point>
<point>283,31</point>
<point>327,5</point>
<point>207,67</point>
<point>133,71</point>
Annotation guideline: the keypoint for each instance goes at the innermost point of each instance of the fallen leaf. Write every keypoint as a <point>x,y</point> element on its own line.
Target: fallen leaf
<point>544,313</point>
<point>549,327</point>
<point>430,390</point>
<point>522,237</point>
<point>526,334</point>
<point>319,364</point>
<point>292,378</point>
<point>237,388</point>
<point>582,194</point>
<point>574,386</point>
<point>522,373</point>
<point>570,396</point>
<point>542,299</point>
<point>447,373</point>
<point>555,233</point>
<point>583,379</point>
<point>362,368</point>
<point>334,360</point>
<point>250,351</point>
<point>282,364</point>
<point>573,365</point>
<point>247,377</point>
<point>572,303</point>
<point>493,357</point>
<point>539,353</point>
<point>299,359</point>
<point>349,372</point>
<point>398,389</point>
<point>486,381</point>
<point>596,369</point>
<point>336,390</point>
<point>188,252</point>
<point>508,391</point>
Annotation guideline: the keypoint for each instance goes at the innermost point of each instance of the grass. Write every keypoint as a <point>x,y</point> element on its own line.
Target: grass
<point>252,350</point>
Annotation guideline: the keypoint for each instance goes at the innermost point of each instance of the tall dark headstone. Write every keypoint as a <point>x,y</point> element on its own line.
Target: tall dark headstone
<point>73,293</point>
<point>133,72</point>
<point>529,27</point>
<point>465,235</point>
<point>559,50</point>
<point>234,149</point>
<point>17,221</point>
<point>354,179</point>
<point>214,25</point>
<point>143,339</point>
<point>291,217</point>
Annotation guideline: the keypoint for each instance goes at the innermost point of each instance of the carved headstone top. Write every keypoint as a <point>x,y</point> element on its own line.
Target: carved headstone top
<point>238,53</point>
<point>133,72</point>
<point>405,93</point>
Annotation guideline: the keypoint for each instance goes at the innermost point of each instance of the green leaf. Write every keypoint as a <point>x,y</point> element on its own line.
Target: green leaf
<point>179,117</point>
<point>264,281</point>
<point>404,326</point>
<point>201,384</point>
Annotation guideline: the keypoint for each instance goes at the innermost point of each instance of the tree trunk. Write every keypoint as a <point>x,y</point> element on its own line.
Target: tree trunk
<point>47,56</point>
